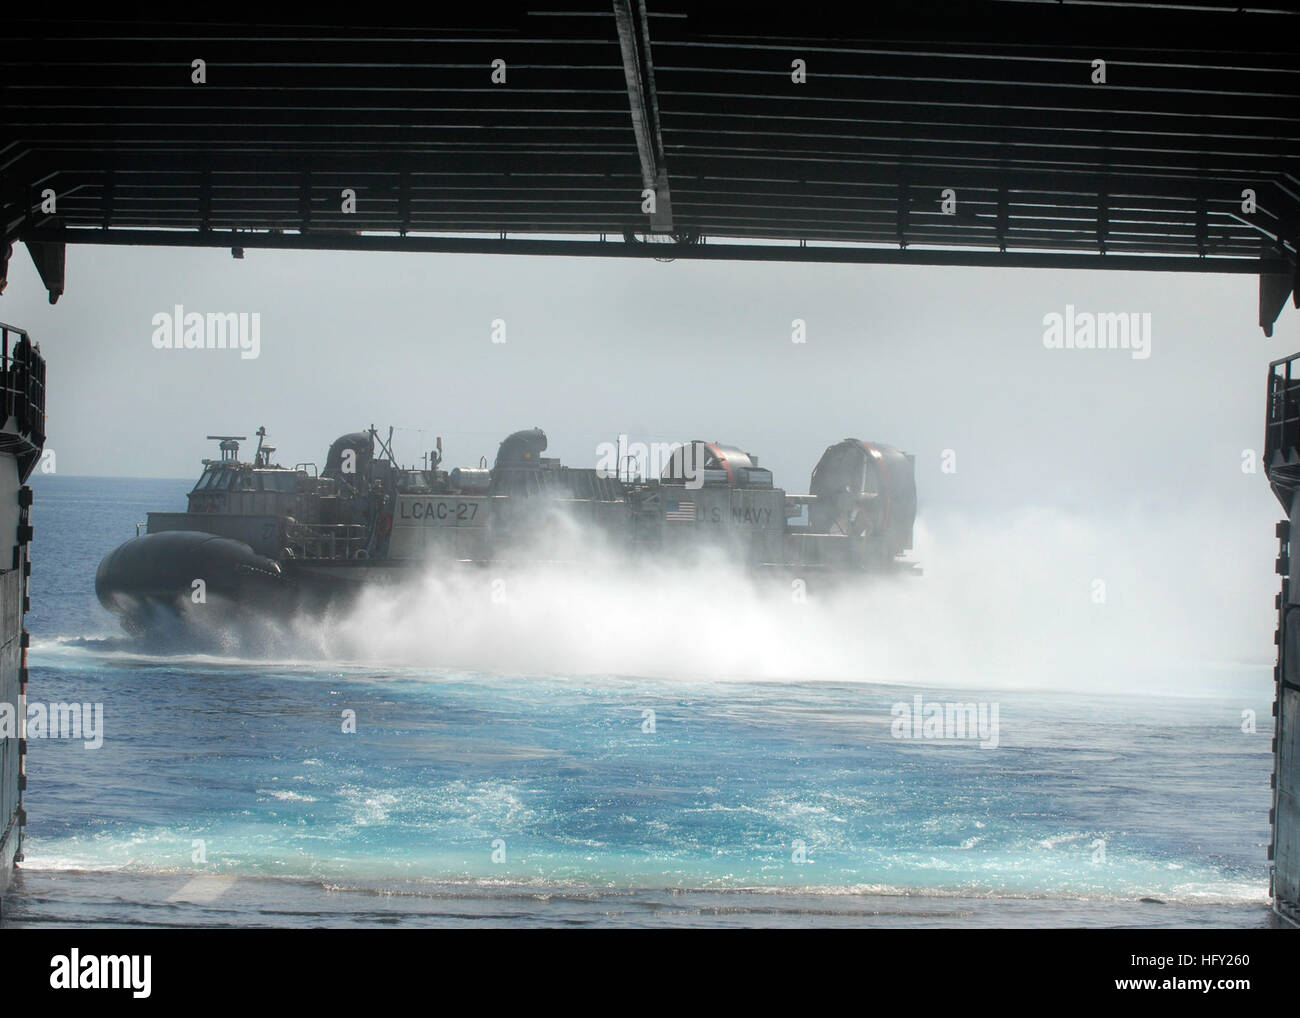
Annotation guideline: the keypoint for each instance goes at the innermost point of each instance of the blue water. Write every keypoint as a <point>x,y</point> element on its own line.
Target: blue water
<point>540,797</point>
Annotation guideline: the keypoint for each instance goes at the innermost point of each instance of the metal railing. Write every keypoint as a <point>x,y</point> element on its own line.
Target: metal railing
<point>317,541</point>
<point>22,383</point>
<point>1282,430</point>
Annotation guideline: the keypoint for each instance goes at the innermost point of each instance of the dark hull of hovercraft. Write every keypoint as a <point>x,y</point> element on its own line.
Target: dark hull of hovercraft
<point>187,575</point>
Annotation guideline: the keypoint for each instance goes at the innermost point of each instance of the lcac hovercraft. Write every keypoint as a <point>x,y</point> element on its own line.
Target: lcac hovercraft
<point>273,540</point>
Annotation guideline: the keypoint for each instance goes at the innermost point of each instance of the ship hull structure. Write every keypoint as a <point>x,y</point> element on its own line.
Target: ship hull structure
<point>22,440</point>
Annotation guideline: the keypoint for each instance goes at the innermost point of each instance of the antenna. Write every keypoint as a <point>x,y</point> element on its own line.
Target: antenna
<point>384,447</point>
<point>229,446</point>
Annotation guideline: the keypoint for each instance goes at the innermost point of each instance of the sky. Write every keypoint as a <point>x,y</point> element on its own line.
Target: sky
<point>928,359</point>
<point>1055,465</point>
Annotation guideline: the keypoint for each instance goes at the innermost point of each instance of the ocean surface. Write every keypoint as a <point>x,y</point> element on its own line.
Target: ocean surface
<point>228,788</point>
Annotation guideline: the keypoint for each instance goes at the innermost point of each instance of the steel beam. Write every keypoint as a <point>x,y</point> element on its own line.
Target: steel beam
<point>50,256</point>
<point>791,252</point>
<point>638,68</point>
<point>1276,279</point>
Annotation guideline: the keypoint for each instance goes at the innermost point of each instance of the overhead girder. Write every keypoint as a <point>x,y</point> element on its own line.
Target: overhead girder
<point>638,69</point>
<point>990,100</point>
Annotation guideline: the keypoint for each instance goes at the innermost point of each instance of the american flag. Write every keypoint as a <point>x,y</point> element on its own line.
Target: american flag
<point>681,511</point>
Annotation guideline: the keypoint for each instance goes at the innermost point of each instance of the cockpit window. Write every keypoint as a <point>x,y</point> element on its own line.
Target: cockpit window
<point>276,480</point>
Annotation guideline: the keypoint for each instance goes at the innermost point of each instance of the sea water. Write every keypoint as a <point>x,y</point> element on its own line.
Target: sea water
<point>425,761</point>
